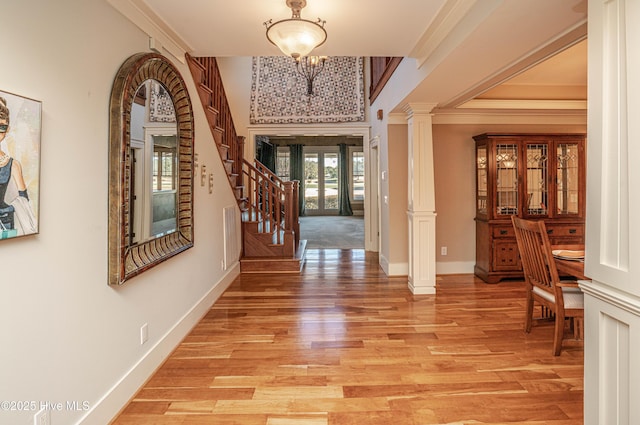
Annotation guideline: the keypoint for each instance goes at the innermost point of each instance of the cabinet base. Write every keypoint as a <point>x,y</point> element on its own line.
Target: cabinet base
<point>495,277</point>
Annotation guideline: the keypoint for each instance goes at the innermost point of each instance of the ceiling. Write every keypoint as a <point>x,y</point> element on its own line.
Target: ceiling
<point>463,49</point>
<point>354,27</point>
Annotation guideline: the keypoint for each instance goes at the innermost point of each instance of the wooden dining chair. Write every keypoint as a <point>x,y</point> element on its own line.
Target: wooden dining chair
<point>563,299</point>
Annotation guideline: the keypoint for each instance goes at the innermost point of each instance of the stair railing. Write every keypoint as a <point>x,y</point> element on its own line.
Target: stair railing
<point>271,201</point>
<point>264,196</point>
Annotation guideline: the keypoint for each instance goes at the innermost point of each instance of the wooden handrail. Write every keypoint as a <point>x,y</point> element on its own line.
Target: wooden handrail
<point>381,70</point>
<point>265,170</point>
<point>271,201</point>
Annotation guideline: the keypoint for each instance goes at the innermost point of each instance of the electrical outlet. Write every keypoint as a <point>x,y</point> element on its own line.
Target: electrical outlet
<point>43,417</point>
<point>443,250</point>
<point>144,333</point>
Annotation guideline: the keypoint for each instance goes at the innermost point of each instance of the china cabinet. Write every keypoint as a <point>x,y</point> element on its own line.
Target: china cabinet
<point>533,176</point>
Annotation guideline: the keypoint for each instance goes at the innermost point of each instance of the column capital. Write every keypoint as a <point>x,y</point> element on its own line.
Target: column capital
<point>412,109</point>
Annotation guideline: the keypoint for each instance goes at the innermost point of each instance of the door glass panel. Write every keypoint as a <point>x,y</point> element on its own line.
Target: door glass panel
<point>537,172</point>
<point>357,176</point>
<point>330,181</point>
<point>568,181</point>
<point>507,179</point>
<point>321,182</point>
<point>481,159</point>
<point>164,179</point>
<point>283,161</point>
<point>311,181</point>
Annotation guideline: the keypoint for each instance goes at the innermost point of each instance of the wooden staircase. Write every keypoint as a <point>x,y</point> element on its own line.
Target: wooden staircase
<point>269,207</point>
<point>271,225</point>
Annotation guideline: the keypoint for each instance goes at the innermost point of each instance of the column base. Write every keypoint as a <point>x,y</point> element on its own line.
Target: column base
<point>422,252</point>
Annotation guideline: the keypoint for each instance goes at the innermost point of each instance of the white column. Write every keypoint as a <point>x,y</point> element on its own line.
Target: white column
<point>421,212</point>
<point>612,298</point>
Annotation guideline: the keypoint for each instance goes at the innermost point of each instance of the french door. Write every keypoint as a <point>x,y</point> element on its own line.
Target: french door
<point>321,181</point>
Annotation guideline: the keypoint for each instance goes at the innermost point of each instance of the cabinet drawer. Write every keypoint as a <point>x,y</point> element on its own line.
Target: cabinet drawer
<point>506,256</point>
<point>503,232</point>
<point>565,230</point>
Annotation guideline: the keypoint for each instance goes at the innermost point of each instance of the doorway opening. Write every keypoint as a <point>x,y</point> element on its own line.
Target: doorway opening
<point>287,143</point>
<point>332,185</point>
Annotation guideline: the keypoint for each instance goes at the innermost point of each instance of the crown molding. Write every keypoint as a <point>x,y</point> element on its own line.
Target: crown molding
<point>416,108</point>
<point>138,12</point>
<point>447,19</point>
<point>520,117</point>
<point>518,104</point>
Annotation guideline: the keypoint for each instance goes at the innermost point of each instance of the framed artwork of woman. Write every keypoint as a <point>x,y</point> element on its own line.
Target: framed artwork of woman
<point>20,129</point>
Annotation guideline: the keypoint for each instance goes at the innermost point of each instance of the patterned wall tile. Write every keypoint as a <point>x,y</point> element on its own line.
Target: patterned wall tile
<point>279,93</point>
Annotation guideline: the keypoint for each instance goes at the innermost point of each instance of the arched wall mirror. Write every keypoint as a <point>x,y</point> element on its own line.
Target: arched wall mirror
<point>150,166</point>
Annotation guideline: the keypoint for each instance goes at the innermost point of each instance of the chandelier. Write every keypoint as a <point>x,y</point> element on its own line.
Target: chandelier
<point>297,37</point>
<point>309,67</point>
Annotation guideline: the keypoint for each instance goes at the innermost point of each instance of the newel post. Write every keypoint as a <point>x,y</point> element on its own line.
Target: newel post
<point>288,207</point>
<point>291,222</point>
<point>238,155</point>
<point>295,207</point>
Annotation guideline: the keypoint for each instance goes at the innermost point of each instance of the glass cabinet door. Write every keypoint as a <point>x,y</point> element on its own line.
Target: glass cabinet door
<point>568,182</point>
<point>537,201</point>
<point>506,179</point>
<point>481,182</point>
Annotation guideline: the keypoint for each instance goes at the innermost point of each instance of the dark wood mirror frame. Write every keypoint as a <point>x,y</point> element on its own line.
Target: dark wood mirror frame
<point>128,260</point>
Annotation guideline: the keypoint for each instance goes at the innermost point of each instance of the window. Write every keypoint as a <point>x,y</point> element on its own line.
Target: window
<point>357,175</point>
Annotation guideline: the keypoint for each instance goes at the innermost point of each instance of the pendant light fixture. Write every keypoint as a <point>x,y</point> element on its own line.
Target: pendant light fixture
<point>296,37</point>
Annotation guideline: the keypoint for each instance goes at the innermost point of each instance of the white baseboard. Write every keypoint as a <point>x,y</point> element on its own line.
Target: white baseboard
<point>402,269</point>
<point>421,290</point>
<point>455,267</point>
<point>393,269</point>
<point>119,395</point>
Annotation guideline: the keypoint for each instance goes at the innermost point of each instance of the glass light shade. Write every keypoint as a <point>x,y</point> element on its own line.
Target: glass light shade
<point>296,37</point>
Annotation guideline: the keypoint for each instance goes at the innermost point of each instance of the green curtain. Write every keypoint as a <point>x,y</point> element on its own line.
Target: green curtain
<point>296,172</point>
<point>344,205</point>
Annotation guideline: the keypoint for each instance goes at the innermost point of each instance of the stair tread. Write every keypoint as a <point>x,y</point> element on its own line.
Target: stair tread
<point>275,264</point>
<point>204,87</point>
<point>274,258</point>
<point>196,62</point>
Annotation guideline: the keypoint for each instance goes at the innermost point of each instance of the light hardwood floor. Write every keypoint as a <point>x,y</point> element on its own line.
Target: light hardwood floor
<point>342,344</point>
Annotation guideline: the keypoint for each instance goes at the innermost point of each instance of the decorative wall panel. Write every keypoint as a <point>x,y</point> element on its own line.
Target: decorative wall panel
<point>279,93</point>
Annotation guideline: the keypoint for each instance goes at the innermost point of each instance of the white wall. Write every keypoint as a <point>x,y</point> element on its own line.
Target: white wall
<point>66,335</point>
<point>236,75</point>
<point>392,180</point>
